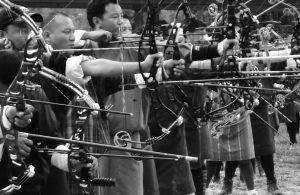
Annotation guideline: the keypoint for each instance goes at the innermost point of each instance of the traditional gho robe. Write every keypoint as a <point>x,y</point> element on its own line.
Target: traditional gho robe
<point>132,177</point>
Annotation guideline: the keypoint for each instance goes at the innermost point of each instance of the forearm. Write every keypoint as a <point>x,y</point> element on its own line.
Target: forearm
<point>274,53</point>
<point>85,35</point>
<point>108,68</point>
<point>202,65</point>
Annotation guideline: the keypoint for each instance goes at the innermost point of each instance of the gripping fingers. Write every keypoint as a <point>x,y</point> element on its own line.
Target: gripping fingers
<point>179,70</point>
<point>22,122</point>
<point>8,44</point>
<point>108,36</point>
<point>24,145</point>
<point>29,109</point>
<point>22,119</point>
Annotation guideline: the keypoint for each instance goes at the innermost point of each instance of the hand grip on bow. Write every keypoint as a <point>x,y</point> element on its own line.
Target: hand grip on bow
<point>19,118</point>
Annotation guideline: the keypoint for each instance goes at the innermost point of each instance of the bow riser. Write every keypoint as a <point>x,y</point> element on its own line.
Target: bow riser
<point>149,31</point>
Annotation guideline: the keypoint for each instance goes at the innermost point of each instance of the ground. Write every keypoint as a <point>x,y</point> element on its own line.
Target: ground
<point>287,169</point>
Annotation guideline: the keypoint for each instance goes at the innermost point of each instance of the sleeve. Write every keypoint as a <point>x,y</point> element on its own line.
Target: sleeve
<point>78,35</point>
<point>1,145</point>
<point>60,160</point>
<point>7,124</point>
<point>191,53</point>
<point>204,52</point>
<point>74,70</point>
<point>44,121</point>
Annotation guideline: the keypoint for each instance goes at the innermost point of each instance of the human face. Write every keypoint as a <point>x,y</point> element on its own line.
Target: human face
<point>60,35</point>
<point>17,35</point>
<point>112,20</point>
<point>126,27</point>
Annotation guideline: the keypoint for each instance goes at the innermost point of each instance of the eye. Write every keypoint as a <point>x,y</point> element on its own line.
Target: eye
<point>25,31</point>
<point>67,31</point>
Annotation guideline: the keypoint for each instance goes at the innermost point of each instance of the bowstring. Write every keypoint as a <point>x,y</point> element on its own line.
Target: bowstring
<point>122,69</point>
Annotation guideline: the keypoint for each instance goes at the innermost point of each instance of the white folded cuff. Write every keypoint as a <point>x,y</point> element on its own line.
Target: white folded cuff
<point>60,160</point>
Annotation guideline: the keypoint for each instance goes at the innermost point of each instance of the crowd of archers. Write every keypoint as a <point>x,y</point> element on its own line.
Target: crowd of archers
<point>109,112</point>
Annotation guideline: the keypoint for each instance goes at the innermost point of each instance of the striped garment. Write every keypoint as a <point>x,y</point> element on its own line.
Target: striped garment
<point>232,140</point>
<point>96,130</point>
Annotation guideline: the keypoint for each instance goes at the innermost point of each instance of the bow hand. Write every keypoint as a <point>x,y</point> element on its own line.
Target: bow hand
<point>5,44</point>
<point>150,59</point>
<point>225,45</point>
<point>24,145</point>
<point>87,164</point>
<point>99,36</point>
<point>19,118</point>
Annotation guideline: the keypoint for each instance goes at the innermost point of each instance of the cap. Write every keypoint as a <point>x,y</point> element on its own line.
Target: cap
<point>36,17</point>
<point>8,17</point>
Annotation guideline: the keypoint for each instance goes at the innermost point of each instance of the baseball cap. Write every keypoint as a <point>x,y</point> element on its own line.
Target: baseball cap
<point>8,17</point>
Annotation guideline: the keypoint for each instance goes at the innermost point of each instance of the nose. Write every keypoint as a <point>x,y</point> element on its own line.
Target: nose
<point>72,37</point>
<point>120,21</point>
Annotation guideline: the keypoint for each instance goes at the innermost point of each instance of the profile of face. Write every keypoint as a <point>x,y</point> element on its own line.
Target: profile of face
<point>126,28</point>
<point>60,33</point>
<point>17,35</point>
<point>111,20</point>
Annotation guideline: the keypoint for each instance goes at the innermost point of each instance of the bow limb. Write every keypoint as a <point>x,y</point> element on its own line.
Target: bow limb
<point>149,30</point>
<point>10,133</point>
<point>172,41</point>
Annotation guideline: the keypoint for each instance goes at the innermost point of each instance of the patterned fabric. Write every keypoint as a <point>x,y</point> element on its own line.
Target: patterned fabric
<point>98,127</point>
<point>232,141</point>
<point>96,130</point>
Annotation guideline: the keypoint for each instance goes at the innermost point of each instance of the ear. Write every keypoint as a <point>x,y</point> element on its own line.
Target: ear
<point>46,35</point>
<point>97,22</point>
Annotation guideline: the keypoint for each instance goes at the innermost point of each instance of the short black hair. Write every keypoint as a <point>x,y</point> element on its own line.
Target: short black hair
<point>52,16</point>
<point>96,8</point>
<point>10,64</point>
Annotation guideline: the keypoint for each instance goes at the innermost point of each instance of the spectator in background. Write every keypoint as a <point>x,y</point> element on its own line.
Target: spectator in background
<point>164,28</point>
<point>287,18</point>
<point>126,27</point>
